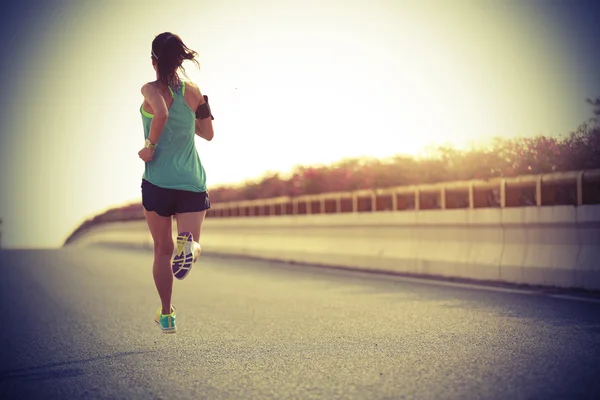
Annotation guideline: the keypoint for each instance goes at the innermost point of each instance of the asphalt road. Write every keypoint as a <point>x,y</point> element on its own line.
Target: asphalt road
<point>78,323</point>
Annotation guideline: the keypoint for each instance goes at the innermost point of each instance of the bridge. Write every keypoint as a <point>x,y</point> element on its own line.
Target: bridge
<point>464,290</point>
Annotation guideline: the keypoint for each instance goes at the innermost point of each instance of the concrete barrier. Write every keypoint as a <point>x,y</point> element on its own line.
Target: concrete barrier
<point>587,267</point>
<point>549,246</point>
<point>131,234</point>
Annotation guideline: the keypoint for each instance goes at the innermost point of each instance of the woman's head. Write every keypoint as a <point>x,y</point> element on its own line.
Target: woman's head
<point>168,54</point>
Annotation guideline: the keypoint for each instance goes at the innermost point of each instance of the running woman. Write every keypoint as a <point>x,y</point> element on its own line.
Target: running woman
<point>174,180</point>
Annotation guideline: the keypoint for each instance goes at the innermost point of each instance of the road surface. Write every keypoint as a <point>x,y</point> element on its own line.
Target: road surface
<point>78,323</point>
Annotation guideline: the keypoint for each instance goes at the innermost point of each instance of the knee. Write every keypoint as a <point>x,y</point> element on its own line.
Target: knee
<point>164,247</point>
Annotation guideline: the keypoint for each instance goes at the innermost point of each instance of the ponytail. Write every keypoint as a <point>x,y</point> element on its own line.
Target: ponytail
<point>170,52</point>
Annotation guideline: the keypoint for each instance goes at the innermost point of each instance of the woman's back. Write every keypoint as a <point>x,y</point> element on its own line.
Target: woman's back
<point>176,163</point>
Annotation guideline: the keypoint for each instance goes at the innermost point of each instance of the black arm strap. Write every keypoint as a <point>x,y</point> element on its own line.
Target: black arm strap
<point>203,110</point>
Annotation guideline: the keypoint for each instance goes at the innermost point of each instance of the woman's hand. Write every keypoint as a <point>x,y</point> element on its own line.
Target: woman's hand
<point>146,154</point>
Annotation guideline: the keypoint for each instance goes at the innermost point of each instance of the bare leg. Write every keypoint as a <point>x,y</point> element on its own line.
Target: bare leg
<point>161,231</point>
<point>191,222</point>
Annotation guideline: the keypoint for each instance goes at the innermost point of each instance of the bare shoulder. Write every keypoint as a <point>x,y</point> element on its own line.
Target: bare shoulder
<point>194,88</point>
<point>149,87</point>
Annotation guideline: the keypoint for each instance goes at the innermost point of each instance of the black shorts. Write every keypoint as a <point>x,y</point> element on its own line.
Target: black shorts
<point>167,202</point>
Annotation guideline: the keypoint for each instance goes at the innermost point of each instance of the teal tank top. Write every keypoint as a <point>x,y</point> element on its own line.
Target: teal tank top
<point>176,163</point>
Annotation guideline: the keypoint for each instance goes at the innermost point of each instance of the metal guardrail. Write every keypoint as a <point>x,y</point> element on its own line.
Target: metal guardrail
<point>575,188</point>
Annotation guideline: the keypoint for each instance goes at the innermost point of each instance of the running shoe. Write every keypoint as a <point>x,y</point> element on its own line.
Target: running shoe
<point>186,255</point>
<point>166,323</point>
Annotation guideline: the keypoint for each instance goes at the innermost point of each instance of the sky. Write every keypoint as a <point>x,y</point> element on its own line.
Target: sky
<point>289,82</point>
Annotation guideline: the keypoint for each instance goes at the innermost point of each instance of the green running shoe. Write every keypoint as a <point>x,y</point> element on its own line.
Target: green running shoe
<point>166,323</point>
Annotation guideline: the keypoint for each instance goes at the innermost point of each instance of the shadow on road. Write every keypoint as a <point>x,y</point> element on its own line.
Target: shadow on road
<point>55,370</point>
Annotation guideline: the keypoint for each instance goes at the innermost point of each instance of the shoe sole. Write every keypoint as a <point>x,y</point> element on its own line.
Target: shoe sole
<point>184,257</point>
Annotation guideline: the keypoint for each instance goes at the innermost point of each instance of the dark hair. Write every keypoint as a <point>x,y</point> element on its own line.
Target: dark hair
<point>169,52</point>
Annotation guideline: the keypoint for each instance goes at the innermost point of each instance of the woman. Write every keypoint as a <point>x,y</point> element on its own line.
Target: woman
<point>174,181</point>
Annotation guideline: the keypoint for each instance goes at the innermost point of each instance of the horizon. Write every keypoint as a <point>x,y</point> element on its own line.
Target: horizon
<point>372,79</point>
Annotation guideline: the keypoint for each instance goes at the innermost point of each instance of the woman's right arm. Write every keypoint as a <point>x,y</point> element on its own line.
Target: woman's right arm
<point>204,126</point>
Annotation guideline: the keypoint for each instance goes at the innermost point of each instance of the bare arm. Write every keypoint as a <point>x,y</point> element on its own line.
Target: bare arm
<point>204,127</point>
<point>161,112</point>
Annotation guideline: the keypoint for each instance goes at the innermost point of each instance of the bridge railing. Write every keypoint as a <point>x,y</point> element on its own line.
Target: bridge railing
<point>561,188</point>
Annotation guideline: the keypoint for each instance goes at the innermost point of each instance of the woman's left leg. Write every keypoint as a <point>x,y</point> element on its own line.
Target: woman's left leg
<point>162,234</point>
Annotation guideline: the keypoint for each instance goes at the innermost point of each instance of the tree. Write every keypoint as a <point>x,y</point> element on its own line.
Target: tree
<point>595,103</point>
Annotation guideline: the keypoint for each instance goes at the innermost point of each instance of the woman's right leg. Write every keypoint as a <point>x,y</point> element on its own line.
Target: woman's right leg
<point>161,230</point>
<point>190,212</point>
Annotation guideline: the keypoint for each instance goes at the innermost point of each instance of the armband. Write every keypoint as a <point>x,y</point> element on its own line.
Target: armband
<point>203,110</point>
